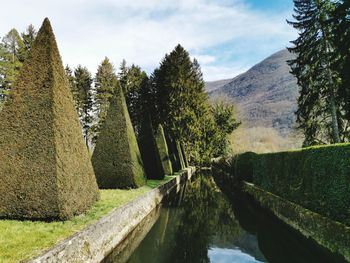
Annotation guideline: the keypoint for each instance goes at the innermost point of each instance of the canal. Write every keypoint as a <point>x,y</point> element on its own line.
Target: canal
<point>198,223</point>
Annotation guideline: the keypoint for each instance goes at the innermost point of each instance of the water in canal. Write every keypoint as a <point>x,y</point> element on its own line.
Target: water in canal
<point>200,224</point>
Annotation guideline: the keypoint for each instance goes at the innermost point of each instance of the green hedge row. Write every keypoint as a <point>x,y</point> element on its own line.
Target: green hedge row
<point>317,178</point>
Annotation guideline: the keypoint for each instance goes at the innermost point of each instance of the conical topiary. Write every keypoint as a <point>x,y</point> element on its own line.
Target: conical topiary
<point>163,151</point>
<point>149,151</point>
<point>184,155</point>
<point>116,159</point>
<point>45,167</point>
<point>173,153</point>
<point>180,156</point>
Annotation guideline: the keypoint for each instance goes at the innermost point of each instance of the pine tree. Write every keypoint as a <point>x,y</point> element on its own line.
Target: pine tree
<point>28,38</point>
<point>342,36</point>
<point>45,170</point>
<point>133,80</point>
<point>105,83</point>
<point>72,86</point>
<point>12,56</point>
<point>177,87</point>
<point>318,103</point>
<point>83,82</point>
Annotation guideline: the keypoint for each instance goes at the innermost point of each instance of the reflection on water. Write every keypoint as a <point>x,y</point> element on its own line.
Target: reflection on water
<point>199,224</point>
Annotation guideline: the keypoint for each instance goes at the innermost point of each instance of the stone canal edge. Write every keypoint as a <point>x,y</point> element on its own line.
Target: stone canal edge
<point>96,241</point>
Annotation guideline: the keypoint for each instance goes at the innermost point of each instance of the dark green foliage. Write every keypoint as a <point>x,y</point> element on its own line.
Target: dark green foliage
<point>224,114</point>
<point>70,77</point>
<point>28,38</point>
<point>82,92</point>
<point>317,177</point>
<point>133,81</point>
<point>163,150</point>
<point>181,104</point>
<point>105,83</point>
<point>342,20</point>
<point>149,151</point>
<point>180,155</point>
<point>12,55</point>
<point>173,153</point>
<point>116,159</point>
<point>45,170</point>
<point>184,155</point>
<point>319,68</point>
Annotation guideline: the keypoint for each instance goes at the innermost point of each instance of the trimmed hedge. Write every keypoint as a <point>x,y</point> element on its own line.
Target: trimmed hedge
<point>184,156</point>
<point>45,170</point>
<point>163,151</point>
<point>317,178</point>
<point>116,159</point>
<point>173,153</point>
<point>180,155</point>
<point>149,151</point>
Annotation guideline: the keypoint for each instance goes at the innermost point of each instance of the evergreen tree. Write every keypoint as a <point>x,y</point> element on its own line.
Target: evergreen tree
<point>105,83</point>
<point>28,38</point>
<point>319,106</point>
<point>342,36</point>
<point>182,104</point>
<point>72,86</point>
<point>133,81</point>
<point>83,82</point>
<point>225,119</point>
<point>12,55</point>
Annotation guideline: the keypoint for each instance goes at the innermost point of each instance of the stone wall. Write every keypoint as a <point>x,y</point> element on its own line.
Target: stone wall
<point>98,240</point>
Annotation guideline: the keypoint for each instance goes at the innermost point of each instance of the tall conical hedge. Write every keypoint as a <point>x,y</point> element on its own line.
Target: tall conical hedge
<point>163,150</point>
<point>45,167</point>
<point>116,159</point>
<point>184,156</point>
<point>173,153</point>
<point>180,155</point>
<point>149,150</point>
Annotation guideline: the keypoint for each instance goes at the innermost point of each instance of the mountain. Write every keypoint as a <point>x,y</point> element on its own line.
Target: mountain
<point>213,85</point>
<point>265,95</point>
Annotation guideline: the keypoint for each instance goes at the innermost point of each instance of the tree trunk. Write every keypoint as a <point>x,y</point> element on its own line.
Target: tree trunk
<point>335,126</point>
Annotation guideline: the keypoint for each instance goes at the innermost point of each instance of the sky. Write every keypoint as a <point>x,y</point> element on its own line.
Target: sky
<point>226,36</point>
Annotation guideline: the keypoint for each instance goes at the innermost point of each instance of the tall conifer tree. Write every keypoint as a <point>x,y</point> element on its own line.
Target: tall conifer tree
<point>12,56</point>
<point>105,84</point>
<point>83,82</point>
<point>318,104</point>
<point>177,87</point>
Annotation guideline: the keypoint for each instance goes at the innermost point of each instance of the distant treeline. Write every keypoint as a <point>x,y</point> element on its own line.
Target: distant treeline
<point>322,67</point>
<point>173,96</point>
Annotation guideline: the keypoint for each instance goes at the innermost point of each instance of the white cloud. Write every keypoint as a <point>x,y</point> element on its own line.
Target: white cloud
<point>143,31</point>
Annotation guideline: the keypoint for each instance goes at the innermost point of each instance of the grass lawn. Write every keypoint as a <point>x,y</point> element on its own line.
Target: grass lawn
<point>20,240</point>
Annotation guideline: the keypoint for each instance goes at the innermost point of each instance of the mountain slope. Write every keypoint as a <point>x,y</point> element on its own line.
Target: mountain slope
<point>213,85</point>
<point>265,95</point>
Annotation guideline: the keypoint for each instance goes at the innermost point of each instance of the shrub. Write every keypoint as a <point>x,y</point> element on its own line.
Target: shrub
<point>163,151</point>
<point>45,170</point>
<point>116,159</point>
<point>149,151</point>
<point>317,178</point>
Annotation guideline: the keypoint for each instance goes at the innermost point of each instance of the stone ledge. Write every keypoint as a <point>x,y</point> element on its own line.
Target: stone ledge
<point>96,241</point>
<point>331,234</point>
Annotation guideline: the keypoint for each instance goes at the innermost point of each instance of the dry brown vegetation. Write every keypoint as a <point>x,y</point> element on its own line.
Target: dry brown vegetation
<point>262,140</point>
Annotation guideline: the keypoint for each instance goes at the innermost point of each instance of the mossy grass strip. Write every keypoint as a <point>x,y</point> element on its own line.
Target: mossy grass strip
<point>21,240</point>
